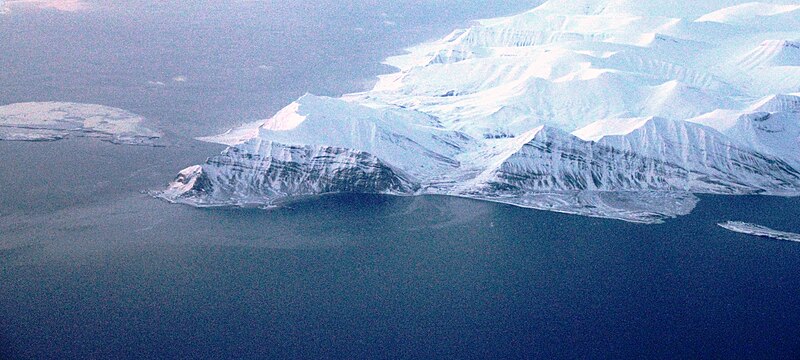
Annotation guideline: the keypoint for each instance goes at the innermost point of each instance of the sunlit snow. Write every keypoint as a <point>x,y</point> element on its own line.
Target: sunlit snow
<point>551,107</point>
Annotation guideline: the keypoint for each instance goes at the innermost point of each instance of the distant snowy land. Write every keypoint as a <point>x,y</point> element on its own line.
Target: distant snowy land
<point>758,230</point>
<point>50,121</point>
<point>610,108</point>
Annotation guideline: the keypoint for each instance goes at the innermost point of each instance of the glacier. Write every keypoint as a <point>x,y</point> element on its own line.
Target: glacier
<point>609,108</point>
<point>51,121</point>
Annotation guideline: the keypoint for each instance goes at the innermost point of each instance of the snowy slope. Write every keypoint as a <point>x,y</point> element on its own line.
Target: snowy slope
<point>754,14</point>
<point>713,162</point>
<point>487,111</point>
<point>412,140</point>
<point>772,53</point>
<point>657,154</point>
<point>771,125</point>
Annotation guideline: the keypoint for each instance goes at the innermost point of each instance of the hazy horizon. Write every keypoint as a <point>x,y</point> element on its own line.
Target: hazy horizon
<point>199,67</point>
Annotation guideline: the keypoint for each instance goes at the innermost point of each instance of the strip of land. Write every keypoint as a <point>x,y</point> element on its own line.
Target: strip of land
<point>758,230</point>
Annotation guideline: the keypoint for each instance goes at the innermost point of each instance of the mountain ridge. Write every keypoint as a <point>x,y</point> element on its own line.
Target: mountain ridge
<point>580,97</point>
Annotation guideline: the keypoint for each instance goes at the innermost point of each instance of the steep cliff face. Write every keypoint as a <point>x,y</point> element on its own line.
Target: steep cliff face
<point>553,160</point>
<point>262,172</point>
<point>656,155</point>
<point>715,162</point>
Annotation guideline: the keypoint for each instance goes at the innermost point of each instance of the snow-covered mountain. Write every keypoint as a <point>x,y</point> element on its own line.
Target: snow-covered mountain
<point>261,171</point>
<point>770,125</point>
<point>487,111</point>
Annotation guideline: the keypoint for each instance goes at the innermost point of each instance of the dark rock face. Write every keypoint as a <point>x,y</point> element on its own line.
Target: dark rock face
<point>557,161</point>
<point>237,176</point>
<point>554,160</point>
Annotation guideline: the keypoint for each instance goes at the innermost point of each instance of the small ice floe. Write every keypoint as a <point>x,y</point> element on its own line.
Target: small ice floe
<point>51,121</point>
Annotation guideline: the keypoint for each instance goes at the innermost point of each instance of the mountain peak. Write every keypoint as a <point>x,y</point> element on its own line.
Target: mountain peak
<point>744,12</point>
<point>777,103</point>
<point>486,111</point>
<point>612,127</point>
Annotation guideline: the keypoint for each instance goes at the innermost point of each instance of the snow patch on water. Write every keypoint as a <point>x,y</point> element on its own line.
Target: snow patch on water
<point>51,121</point>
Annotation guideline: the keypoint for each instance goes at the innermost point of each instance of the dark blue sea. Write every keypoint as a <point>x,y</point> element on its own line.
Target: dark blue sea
<point>90,267</point>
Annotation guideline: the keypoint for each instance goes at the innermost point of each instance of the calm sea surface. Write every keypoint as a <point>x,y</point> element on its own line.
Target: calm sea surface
<point>91,267</point>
